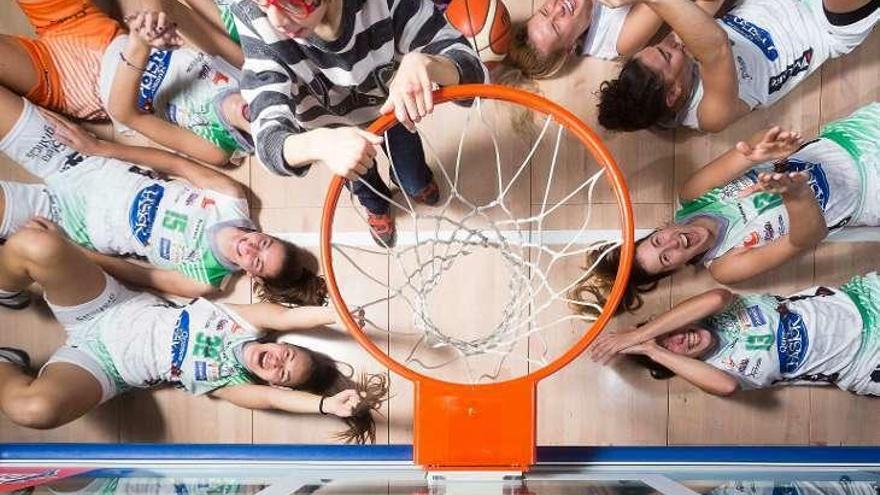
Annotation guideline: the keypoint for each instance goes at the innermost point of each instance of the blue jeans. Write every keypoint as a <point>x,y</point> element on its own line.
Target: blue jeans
<point>412,171</point>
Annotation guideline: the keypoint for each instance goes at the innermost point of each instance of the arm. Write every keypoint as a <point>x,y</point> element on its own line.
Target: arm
<point>710,46</point>
<point>159,160</point>
<point>684,313</point>
<point>764,146</point>
<point>200,23</point>
<point>123,106</point>
<point>265,397</point>
<point>700,374</point>
<point>276,317</point>
<point>642,24</point>
<point>165,281</point>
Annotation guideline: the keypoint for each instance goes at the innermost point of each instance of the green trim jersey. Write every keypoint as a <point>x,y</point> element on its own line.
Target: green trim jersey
<point>224,8</point>
<point>192,346</point>
<point>184,87</point>
<point>758,219</point>
<point>863,375</point>
<point>811,336</point>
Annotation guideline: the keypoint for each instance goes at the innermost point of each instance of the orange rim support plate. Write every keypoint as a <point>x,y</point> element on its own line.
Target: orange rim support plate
<point>485,426</point>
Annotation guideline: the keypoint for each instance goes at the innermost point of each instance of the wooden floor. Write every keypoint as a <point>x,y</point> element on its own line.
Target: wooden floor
<point>582,404</point>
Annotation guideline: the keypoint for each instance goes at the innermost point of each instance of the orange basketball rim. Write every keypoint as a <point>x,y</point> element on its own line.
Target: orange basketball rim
<point>485,426</point>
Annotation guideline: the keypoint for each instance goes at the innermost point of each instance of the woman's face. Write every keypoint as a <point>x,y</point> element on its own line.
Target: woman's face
<point>294,18</point>
<point>259,254</point>
<point>669,59</point>
<point>693,342</point>
<point>281,364</point>
<point>558,24</point>
<point>671,247</point>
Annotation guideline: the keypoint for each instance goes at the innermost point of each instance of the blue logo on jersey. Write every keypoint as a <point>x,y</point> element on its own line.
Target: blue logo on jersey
<point>143,212</point>
<point>760,37</point>
<point>792,342</point>
<point>818,180</point>
<point>180,340</point>
<point>165,249</point>
<point>756,316</point>
<point>201,371</point>
<point>151,80</point>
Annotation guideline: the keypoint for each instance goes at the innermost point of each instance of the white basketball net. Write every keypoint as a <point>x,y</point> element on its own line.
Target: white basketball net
<point>446,234</point>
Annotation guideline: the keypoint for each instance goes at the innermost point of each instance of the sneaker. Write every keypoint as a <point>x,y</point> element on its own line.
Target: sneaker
<point>18,300</point>
<point>15,356</point>
<point>382,229</point>
<point>429,195</point>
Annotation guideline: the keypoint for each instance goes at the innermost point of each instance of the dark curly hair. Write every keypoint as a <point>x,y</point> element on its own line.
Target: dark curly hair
<point>295,283</point>
<point>635,100</point>
<point>596,287</point>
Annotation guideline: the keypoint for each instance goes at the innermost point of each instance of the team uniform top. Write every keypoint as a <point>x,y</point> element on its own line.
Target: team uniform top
<point>842,487</point>
<point>295,85</point>
<point>600,39</point>
<point>776,44</point>
<point>184,87</point>
<point>116,208</point>
<point>818,335</point>
<point>197,347</point>
<point>843,175</point>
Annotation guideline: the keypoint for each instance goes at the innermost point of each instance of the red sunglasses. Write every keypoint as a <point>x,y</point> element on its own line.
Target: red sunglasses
<point>296,8</point>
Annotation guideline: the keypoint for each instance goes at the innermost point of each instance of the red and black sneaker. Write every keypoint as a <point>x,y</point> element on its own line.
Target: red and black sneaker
<point>429,195</point>
<point>382,229</point>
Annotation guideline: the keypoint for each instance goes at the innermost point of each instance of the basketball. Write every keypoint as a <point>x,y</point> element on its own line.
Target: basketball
<point>486,25</point>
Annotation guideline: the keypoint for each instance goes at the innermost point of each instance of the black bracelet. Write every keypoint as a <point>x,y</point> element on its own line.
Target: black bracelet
<point>321,405</point>
<point>131,65</point>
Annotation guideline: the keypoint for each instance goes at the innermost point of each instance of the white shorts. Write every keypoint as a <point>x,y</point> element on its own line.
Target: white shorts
<point>23,202</point>
<point>842,39</point>
<point>31,143</point>
<point>83,347</point>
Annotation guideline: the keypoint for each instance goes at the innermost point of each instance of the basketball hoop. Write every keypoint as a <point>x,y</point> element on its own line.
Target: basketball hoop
<point>469,424</point>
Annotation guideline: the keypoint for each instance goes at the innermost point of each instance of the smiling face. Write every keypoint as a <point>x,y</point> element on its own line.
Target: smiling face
<point>673,63</point>
<point>259,254</point>
<point>294,18</point>
<point>671,247</point>
<point>693,342</point>
<point>285,365</point>
<point>558,25</point>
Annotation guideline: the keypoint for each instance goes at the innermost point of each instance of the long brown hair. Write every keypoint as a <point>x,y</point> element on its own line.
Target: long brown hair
<point>596,287</point>
<point>327,380</point>
<point>295,283</point>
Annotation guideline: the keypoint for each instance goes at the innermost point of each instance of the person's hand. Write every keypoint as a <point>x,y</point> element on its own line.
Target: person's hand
<point>775,144</point>
<point>410,94</point>
<point>618,3</point>
<point>42,224</point>
<point>74,136</point>
<point>154,29</point>
<point>791,183</point>
<point>609,345</point>
<point>346,151</point>
<point>342,404</point>
<point>645,348</point>
<point>357,313</point>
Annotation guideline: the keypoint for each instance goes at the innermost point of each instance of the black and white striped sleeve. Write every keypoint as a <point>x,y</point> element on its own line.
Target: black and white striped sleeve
<point>268,87</point>
<point>419,26</point>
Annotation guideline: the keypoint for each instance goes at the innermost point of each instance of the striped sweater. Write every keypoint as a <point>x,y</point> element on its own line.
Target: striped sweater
<point>295,85</point>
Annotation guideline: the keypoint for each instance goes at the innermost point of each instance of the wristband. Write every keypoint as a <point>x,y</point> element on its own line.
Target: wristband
<point>131,65</point>
<point>321,406</point>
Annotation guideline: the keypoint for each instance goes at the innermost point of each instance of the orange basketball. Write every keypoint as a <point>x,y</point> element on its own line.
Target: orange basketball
<point>485,23</point>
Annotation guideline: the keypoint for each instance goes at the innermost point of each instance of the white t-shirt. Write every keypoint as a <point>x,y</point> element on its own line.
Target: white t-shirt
<point>776,44</point>
<point>763,339</point>
<point>600,39</point>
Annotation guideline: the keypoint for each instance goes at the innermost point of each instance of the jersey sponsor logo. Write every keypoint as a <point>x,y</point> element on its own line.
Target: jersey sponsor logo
<point>165,249</point>
<point>742,365</point>
<point>758,36</point>
<point>756,368</point>
<point>200,371</point>
<point>744,74</point>
<point>151,80</point>
<point>180,340</point>
<point>191,198</point>
<point>143,212</point>
<point>71,161</point>
<point>801,64</point>
<point>91,315</point>
<point>818,180</point>
<point>769,231</point>
<point>751,240</point>
<point>792,341</point>
<point>756,316</point>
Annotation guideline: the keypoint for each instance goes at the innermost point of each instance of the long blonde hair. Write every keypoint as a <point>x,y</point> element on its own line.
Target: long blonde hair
<point>523,55</point>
